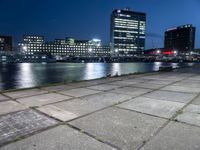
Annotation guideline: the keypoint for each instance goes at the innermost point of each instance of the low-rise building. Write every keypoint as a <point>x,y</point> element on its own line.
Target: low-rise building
<point>63,47</point>
<point>161,52</point>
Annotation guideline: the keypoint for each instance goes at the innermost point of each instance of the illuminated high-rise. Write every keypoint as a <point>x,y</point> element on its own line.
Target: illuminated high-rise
<point>127,32</point>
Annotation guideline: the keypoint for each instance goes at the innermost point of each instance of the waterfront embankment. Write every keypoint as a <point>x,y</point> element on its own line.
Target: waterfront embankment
<point>152,111</point>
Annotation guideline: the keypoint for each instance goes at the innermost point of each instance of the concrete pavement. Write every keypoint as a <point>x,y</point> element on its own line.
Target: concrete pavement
<point>152,111</point>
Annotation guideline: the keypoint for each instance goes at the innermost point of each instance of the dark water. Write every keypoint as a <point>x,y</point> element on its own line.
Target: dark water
<point>14,76</point>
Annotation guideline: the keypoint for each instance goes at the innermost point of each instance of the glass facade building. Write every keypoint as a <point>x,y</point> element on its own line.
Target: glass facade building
<point>181,38</point>
<point>63,47</point>
<point>127,32</point>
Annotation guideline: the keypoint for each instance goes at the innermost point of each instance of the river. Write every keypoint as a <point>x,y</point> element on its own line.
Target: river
<point>26,75</point>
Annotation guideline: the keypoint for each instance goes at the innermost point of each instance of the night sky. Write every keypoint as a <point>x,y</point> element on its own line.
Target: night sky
<point>86,19</point>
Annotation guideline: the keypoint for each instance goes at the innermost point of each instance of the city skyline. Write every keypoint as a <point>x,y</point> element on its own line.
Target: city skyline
<point>81,20</point>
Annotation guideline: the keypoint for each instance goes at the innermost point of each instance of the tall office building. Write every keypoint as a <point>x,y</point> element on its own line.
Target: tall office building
<point>181,38</point>
<point>5,43</point>
<point>127,32</point>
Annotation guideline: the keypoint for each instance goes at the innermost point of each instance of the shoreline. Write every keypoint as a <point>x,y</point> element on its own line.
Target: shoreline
<point>153,105</point>
<point>79,81</point>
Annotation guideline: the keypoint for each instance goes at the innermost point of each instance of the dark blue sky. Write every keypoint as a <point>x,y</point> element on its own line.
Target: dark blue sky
<point>85,19</point>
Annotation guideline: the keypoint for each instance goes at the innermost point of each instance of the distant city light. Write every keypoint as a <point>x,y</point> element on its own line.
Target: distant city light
<point>96,40</point>
<point>171,29</point>
<point>90,49</point>
<point>24,48</point>
<point>175,52</point>
<point>158,51</point>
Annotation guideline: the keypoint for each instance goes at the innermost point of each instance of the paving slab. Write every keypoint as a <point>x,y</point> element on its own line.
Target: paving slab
<point>193,81</point>
<point>3,98</point>
<point>133,91</point>
<point>25,93</point>
<point>148,86</point>
<point>137,76</point>
<point>154,107</point>
<point>176,73</point>
<point>189,83</point>
<point>163,82</point>
<point>190,115</point>
<point>176,136</point>
<point>136,80</point>
<point>182,88</point>
<point>79,92</point>
<point>81,84</point>
<point>164,77</point>
<point>69,110</point>
<point>125,129</point>
<point>171,96</point>
<point>58,88</point>
<point>104,87</point>
<point>196,101</point>
<point>127,82</point>
<point>108,98</point>
<point>17,125</point>
<point>10,106</point>
<point>153,77</point>
<point>159,108</point>
<point>59,138</point>
<point>93,82</point>
<point>58,113</point>
<point>44,99</point>
<point>195,78</point>
<point>175,78</point>
<point>184,74</point>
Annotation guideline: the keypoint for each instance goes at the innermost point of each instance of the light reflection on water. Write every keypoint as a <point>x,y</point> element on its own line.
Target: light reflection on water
<point>25,75</point>
<point>116,69</point>
<point>93,71</point>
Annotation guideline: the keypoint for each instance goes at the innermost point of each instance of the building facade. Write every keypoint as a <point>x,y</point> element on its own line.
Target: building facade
<point>181,38</point>
<point>5,43</point>
<point>127,32</point>
<point>161,52</point>
<point>63,47</point>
